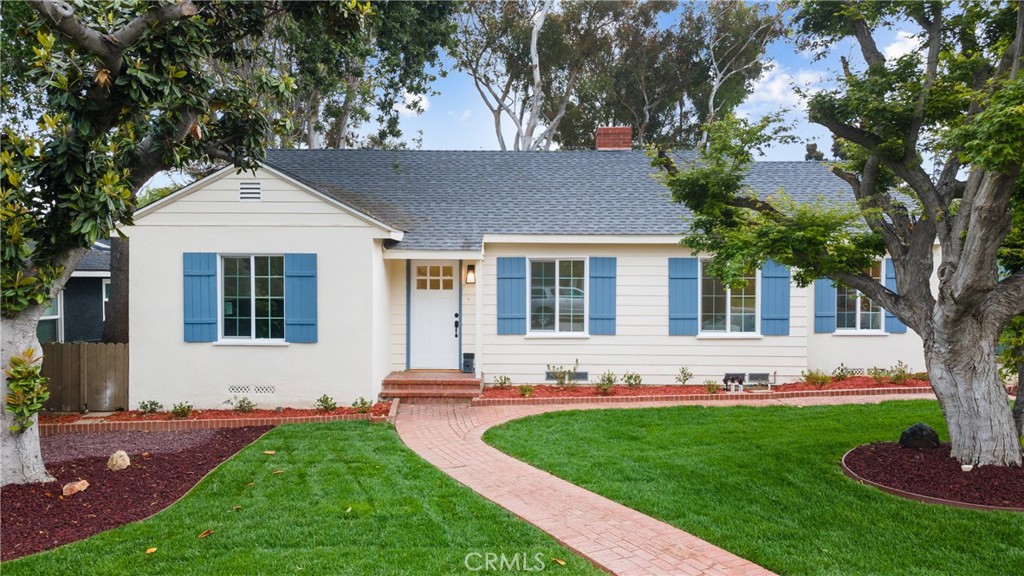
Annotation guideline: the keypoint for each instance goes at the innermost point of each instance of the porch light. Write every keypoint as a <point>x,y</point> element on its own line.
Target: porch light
<point>470,273</point>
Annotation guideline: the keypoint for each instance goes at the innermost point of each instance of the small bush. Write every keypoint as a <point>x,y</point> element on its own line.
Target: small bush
<point>684,375</point>
<point>842,373</point>
<point>502,381</point>
<point>879,374</point>
<point>900,373</point>
<point>712,386</point>
<point>919,376</point>
<point>362,405</point>
<point>326,403</point>
<point>150,407</point>
<point>816,377</point>
<point>182,410</point>
<point>632,379</point>
<point>27,388</point>
<point>605,383</point>
<point>242,404</point>
<point>526,390</point>
<point>564,377</point>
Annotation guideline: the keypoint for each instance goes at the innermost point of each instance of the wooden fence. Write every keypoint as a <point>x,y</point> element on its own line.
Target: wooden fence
<point>86,376</point>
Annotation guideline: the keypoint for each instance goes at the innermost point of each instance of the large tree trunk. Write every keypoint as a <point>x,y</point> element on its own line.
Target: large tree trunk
<point>21,462</point>
<point>115,326</point>
<point>1018,403</point>
<point>962,366</point>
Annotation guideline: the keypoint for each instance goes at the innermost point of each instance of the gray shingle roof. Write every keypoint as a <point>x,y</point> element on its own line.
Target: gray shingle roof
<point>447,200</point>
<point>94,261</point>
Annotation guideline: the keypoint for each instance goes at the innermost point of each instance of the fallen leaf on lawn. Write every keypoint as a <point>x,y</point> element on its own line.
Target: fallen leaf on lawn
<point>278,472</point>
<point>150,550</point>
<point>270,452</point>
<point>348,510</point>
<point>559,561</point>
<point>251,484</point>
<point>205,533</point>
<point>236,508</point>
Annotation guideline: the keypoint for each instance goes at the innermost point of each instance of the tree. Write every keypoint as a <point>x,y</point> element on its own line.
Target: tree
<point>813,153</point>
<point>956,97</point>
<point>109,94</point>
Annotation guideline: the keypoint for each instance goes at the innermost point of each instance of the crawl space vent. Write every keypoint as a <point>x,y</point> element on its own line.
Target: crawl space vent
<point>249,191</point>
<point>239,389</point>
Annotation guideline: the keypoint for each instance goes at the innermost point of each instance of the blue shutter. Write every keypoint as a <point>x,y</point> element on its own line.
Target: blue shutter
<point>824,306</point>
<point>511,295</point>
<point>300,307</point>
<point>892,323</point>
<point>200,296</point>
<point>602,296</point>
<point>774,299</point>
<point>682,296</point>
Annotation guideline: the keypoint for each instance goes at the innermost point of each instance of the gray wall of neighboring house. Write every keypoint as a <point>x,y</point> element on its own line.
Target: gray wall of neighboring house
<point>83,310</point>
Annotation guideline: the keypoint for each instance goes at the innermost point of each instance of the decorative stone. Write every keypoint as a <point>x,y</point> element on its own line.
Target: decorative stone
<point>967,467</point>
<point>920,436</point>
<point>75,487</point>
<point>118,461</point>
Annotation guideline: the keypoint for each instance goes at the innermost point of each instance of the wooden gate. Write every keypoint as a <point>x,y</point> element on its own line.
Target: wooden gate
<point>86,376</point>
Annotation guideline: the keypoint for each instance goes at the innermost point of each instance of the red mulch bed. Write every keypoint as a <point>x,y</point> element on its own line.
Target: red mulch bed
<point>934,473</point>
<point>378,409</point>
<point>36,517</point>
<point>50,418</point>
<point>585,390</point>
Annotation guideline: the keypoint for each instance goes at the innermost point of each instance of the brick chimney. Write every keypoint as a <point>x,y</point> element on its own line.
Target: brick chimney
<point>614,138</point>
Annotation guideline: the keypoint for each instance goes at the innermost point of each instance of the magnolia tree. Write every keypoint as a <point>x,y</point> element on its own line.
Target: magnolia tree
<point>957,98</point>
<point>99,97</point>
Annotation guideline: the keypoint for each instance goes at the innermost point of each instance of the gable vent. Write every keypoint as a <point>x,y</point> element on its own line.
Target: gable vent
<point>249,191</point>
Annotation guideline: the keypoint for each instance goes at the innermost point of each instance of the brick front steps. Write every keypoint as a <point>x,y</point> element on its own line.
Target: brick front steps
<point>741,396</point>
<point>429,386</point>
<point>174,425</point>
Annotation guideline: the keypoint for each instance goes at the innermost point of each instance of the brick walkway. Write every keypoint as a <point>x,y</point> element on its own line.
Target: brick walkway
<point>614,537</point>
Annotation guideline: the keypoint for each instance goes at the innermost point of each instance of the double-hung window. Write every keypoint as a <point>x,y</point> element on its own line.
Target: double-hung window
<point>252,289</point>
<point>725,309</point>
<point>558,296</point>
<point>50,327</point>
<point>855,311</point>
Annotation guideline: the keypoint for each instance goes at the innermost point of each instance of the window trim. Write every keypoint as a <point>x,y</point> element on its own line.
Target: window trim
<point>530,332</point>
<point>103,296</point>
<point>858,331</point>
<point>727,333</point>
<point>59,317</point>
<point>251,339</point>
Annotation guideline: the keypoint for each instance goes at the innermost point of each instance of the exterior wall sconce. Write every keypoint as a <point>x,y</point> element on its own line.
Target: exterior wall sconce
<point>470,273</point>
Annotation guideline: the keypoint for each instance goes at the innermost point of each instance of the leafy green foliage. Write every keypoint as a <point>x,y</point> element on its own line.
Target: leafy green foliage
<point>242,404</point>
<point>564,377</point>
<point>182,410</point>
<point>684,375</point>
<point>27,389</point>
<point>816,377</point>
<point>900,373</point>
<point>326,403</point>
<point>632,379</point>
<point>150,406</point>
<point>879,374</point>
<point>526,390</point>
<point>502,381</point>
<point>712,386</point>
<point>842,373</point>
<point>605,382</point>
<point>362,405</point>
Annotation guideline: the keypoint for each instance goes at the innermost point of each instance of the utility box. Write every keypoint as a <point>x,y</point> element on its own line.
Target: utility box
<point>468,363</point>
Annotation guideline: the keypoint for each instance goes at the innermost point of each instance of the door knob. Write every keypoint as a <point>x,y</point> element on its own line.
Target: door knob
<point>456,328</point>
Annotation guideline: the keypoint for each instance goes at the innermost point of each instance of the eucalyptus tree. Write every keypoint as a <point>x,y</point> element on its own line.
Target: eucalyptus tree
<point>957,97</point>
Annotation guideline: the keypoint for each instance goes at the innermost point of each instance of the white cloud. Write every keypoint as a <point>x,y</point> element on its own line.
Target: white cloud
<point>905,43</point>
<point>409,101</point>
<point>465,116</point>
<point>776,88</point>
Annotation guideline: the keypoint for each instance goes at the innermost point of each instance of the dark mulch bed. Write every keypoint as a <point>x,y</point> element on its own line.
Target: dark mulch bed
<point>934,473</point>
<point>36,517</point>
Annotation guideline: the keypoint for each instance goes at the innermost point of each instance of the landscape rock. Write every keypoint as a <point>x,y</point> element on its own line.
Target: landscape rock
<point>75,487</point>
<point>118,461</point>
<point>920,436</point>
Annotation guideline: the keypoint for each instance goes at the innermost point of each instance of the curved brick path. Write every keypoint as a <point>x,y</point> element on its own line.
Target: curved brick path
<point>614,537</point>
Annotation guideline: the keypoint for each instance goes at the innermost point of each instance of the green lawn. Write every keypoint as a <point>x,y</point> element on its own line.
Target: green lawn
<point>764,483</point>
<point>352,500</point>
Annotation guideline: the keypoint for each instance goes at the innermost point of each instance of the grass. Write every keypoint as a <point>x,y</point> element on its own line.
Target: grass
<point>352,500</point>
<point>764,483</point>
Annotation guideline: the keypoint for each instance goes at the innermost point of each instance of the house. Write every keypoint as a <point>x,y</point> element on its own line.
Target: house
<point>79,310</point>
<point>327,270</point>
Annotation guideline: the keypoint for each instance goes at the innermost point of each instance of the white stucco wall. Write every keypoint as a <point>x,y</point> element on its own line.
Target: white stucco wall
<point>353,342</point>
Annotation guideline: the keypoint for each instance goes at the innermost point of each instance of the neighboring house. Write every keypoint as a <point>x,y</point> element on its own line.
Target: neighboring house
<point>326,270</point>
<point>78,312</point>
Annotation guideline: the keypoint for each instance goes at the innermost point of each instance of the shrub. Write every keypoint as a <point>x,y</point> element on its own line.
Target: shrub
<point>920,376</point>
<point>899,373</point>
<point>816,377</point>
<point>502,381</point>
<point>526,390</point>
<point>712,386</point>
<point>242,404</point>
<point>182,410</point>
<point>150,407</point>
<point>684,375</point>
<point>879,374</point>
<point>842,373</point>
<point>362,405</point>
<point>326,403</point>
<point>632,379</point>
<point>27,388</point>
<point>605,383</point>
<point>564,377</point>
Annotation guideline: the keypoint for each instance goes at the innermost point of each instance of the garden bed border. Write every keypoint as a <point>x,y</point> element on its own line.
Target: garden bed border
<point>724,396</point>
<point>175,425</point>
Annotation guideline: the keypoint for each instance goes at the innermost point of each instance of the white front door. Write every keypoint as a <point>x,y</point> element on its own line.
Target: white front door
<point>434,313</point>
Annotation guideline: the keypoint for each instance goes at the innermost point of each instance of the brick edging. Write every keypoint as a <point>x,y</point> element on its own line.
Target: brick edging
<point>175,425</point>
<point>752,396</point>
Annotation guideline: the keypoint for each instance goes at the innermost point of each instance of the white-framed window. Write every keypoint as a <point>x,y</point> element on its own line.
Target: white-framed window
<point>855,311</point>
<point>51,326</point>
<point>558,296</point>
<point>252,297</point>
<point>728,310</point>
<point>106,296</point>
